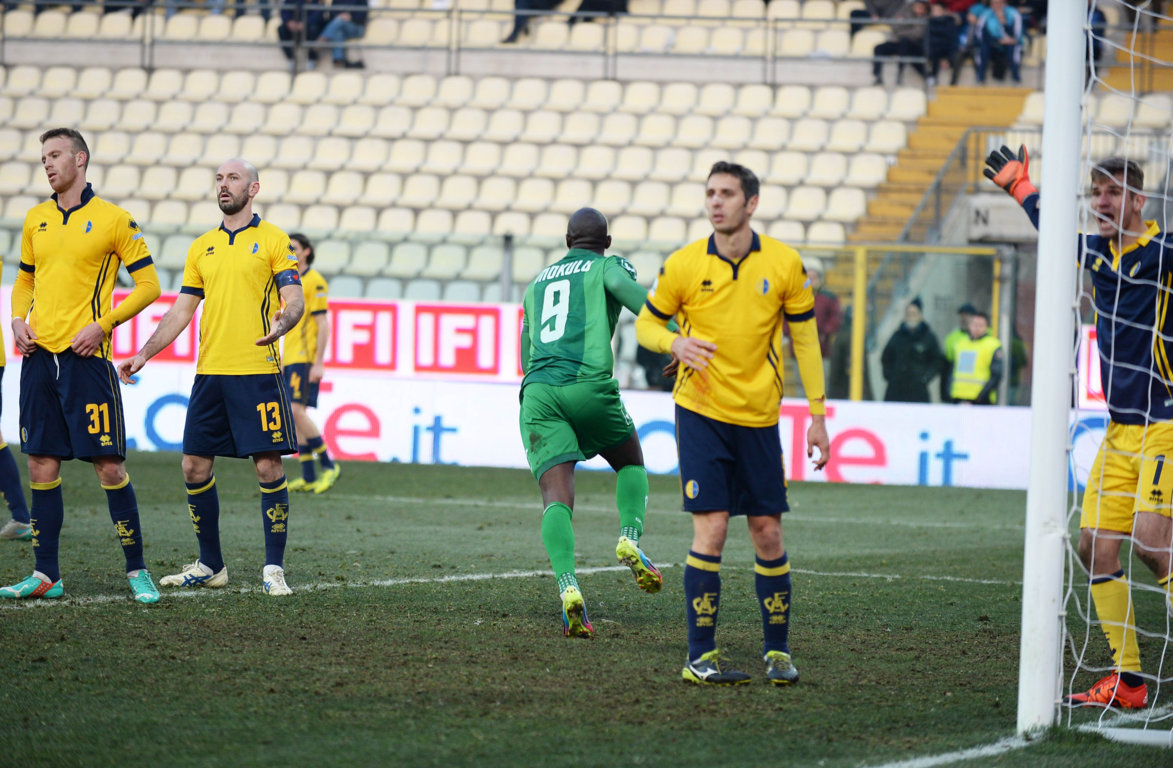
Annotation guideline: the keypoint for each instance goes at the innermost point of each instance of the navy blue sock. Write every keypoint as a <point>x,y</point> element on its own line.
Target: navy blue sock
<point>10,486</point>
<point>702,596</point>
<point>772,580</point>
<point>124,514</point>
<point>275,517</point>
<point>47,514</point>
<point>309,471</point>
<point>318,447</point>
<point>203,504</point>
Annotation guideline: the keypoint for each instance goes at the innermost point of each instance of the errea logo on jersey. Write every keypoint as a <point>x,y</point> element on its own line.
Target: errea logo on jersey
<point>210,251</point>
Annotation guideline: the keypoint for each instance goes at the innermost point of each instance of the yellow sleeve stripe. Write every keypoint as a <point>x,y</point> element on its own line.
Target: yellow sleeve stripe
<point>125,482</point>
<point>781,570</point>
<point>704,565</point>
<point>201,489</point>
<point>45,486</point>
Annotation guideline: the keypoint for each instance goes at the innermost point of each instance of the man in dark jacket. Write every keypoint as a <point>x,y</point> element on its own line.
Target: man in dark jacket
<point>912,358</point>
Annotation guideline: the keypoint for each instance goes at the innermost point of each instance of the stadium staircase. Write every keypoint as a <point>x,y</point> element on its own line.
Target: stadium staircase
<point>1135,67</point>
<point>930,143</point>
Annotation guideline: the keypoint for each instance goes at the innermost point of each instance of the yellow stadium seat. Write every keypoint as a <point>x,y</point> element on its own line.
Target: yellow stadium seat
<point>168,212</point>
<point>518,160</point>
<point>194,184</point>
<point>754,159</point>
<point>247,29</point>
<point>101,114</point>
<point>422,33</point>
<point>863,45</point>
<point>549,35</point>
<point>82,26</point>
<point>259,149</point>
<point>557,161</point>
<point>117,26</point>
<point>471,227</point>
<point>137,115</point>
<point>429,123</point>
<point>826,232</point>
<point>93,82</point>
<point>173,254</point>
<point>747,9</point>
<point>484,263</point>
<point>245,118</point>
<point>433,225</point>
<point>587,37</point>
<point>382,30</point>
<point>833,43</point>
<point>308,88</point>
<point>15,178</point>
<point>718,9</point>
<point>215,29</point>
<point>490,94</point>
<point>1032,109</point>
<point>18,23</point>
<point>656,130</point>
<point>527,94</point>
<point>58,82</point>
<point>671,164</point>
<point>541,127</point>
<point>829,102</point>
<point>367,154</point>
<point>732,132</point>
<point>481,158</point>
<point>866,169</point>
<point>49,24</point>
<point>549,226</point>
<point>846,204</point>
<point>769,133</point>
<point>806,203</point>
<point>405,156</point>
<point>443,157</point>
<point>330,153</point>
<point>641,97</point>
<point>907,105</point>
<point>392,122</point>
<point>678,99</point>
<point>796,44</point>
<point>808,135</point>
<point>355,121</point>
<point>618,129</point>
<point>703,160</point>
<point>527,262</point>
<point>791,101</point>
<point>662,229</point>
<point>566,95</point>
<point>496,193</point>
<point>128,83</point>
<point>181,27</point>
<point>319,120</point>
<point>827,169</point>
<point>280,117</point>
<point>158,182</point>
<point>869,103</point>
<point>887,137</point>
<point>147,148</point>
<point>613,194</point>
<point>457,192</point>
<point>595,162</point>
<point>649,199</point>
<point>342,188</point>
<point>445,261</point>
<point>633,163</point>
<point>785,231</point>
<point>603,96</point>
<point>482,33</point>
<point>788,168</point>
<point>771,203</point>
<point>513,223</point>
<point>505,125</point>
<point>754,100</point>
<point>17,206</point>
<point>847,136</point>
<point>23,80</point>
<point>695,131</point>
<point>571,194</point>
<point>272,87</point>
<point>580,128</point>
<point>466,124</point>
<point>112,147</point>
<point>200,85</point>
<point>174,116</point>
<point>209,117</point>
<point>382,189</point>
<point>66,111</point>
<point>381,88</point>
<point>10,144</point>
<point>417,91</point>
<point>294,153</point>
<point>420,190</point>
<point>331,256</point>
<point>679,8</point>
<point>274,183</point>
<point>319,220</point>
<point>656,38</point>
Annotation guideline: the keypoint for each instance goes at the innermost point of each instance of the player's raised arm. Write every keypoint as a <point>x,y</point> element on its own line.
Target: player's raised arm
<point>1011,172</point>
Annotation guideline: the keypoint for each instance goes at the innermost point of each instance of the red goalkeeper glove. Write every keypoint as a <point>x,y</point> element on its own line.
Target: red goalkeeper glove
<point>1010,172</point>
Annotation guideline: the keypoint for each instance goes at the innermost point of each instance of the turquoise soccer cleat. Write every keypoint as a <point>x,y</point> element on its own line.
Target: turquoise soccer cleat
<point>16,531</point>
<point>647,576</point>
<point>143,587</point>
<point>33,586</point>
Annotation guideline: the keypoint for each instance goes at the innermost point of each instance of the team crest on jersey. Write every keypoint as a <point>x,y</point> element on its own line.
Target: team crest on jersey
<point>692,489</point>
<point>765,288</point>
<point>256,247</point>
<point>1096,265</point>
<point>1135,267</point>
<point>89,226</point>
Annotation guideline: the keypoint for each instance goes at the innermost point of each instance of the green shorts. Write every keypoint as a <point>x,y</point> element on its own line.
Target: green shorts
<point>573,422</point>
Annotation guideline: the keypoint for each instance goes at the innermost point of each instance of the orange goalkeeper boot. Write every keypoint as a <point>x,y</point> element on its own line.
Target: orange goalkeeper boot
<point>1111,692</point>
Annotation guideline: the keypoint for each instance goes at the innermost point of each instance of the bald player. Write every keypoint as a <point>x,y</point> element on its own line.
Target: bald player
<point>243,271</point>
<point>570,405</point>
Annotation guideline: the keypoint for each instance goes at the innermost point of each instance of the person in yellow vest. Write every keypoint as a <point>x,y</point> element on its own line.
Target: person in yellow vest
<point>977,364</point>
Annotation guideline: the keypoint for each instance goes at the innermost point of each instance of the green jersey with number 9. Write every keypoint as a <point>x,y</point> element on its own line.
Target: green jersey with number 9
<point>571,310</point>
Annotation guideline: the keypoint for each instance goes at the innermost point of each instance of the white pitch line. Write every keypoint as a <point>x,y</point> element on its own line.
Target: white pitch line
<point>463,577</point>
<point>989,750</point>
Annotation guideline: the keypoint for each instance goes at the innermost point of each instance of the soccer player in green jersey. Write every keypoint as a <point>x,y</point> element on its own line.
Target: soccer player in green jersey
<point>570,405</point>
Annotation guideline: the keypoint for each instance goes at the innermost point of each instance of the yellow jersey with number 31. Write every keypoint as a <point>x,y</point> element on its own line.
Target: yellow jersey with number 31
<point>739,306</point>
<point>239,275</point>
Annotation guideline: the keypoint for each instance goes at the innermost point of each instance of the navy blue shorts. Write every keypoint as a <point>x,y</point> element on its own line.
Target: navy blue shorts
<point>238,416</point>
<point>726,467</point>
<point>70,406</point>
<point>298,385</point>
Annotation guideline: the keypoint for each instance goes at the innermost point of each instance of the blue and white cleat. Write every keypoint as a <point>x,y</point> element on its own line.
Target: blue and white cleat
<point>37,585</point>
<point>142,586</point>
<point>647,576</point>
<point>273,580</point>
<point>197,575</point>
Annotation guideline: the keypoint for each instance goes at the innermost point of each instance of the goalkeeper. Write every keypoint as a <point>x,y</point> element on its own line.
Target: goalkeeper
<point>570,406</point>
<point>1129,491</point>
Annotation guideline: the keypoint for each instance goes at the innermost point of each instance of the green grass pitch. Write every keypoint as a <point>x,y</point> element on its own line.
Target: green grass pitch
<point>425,630</point>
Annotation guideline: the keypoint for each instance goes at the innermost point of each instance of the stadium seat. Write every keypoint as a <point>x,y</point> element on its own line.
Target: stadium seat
<point>788,232</point>
<point>690,40</point>
<point>513,223</point>
<point>382,189</point>
<point>826,232</point>
<point>49,24</point>
<point>137,115</point>
<point>746,9</point>
<point>294,153</point>
<point>870,103</point>
<point>533,195</point>
<point>549,227</point>
<point>158,182</point>
<point>130,83</point>
<point>527,263</point>
<point>847,136</point>
<point>603,96</point>
<point>10,147</point>
<point>15,208</point>
<point>429,123</point>
<point>796,44</point>
<point>346,286</point>
<point>168,212</point>
<point>392,122</point>
<point>695,132</point>
<point>806,203</point>
<point>595,162</point>
<point>519,160</point>
<point>730,41</point>
<point>788,168</point>
<point>174,116</point>
<point>331,256</point>
<point>15,178</point>
<point>1032,109</point>
<point>416,91</point>
<point>771,203</point>
<point>58,82</point>
<point>369,258</point>
<point>462,291</point>
<point>664,229</point>
<point>541,127</point>
<point>866,170</point>
<point>566,95</point>
<point>181,27</point>
<point>887,137</point>
<point>755,159</point>
<point>195,183</point>
<point>247,29</point>
<point>433,225</point>
<point>678,99</point>
<point>163,85</point>
<point>833,43</point>
<point>246,118</point>
<point>785,9</point>
<point>443,158</point>
<point>484,263</point>
<point>846,204</point>
<point>580,128</point>
<point>274,181</point>
<point>308,88</point>
<point>357,218</point>
<point>863,44</point>
<point>557,161</point>
<point>1154,110</point>
<point>687,201</point>
<point>613,194</point>
<point>199,85</point>
<point>471,226</point>
<point>769,133</point>
<point>907,105</point>
<point>481,158</point>
<point>319,120</point>
<point>754,100</point>
<point>420,190</point>
<point>93,82</point>
<point>260,149</point>
<point>732,132</point>
<point>185,150</point>
<point>23,80</point>
<point>467,124</point>
<point>716,99</point>
<point>422,289</point>
<point>656,129</point>
<point>641,97</point>
<point>445,261</point>
<point>571,194</point>
<point>66,111</point>
<point>457,192</point>
<point>384,288</point>
<point>648,199</point>
<point>671,164</point>
<point>117,26</point>
<point>305,186</point>
<point>405,156</point>
<point>380,89</point>
<point>407,260</point>
<point>829,102</point>
<point>272,87</point>
<point>808,134</point>
<point>791,101</point>
<point>173,254</point>
<point>220,147</point>
<point>528,94</point>
<point>330,152</point>
<point>101,114</point>
<point>209,117</point>
<point>633,163</point>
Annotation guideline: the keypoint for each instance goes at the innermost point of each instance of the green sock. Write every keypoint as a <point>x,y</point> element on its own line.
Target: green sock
<point>631,496</point>
<point>558,536</point>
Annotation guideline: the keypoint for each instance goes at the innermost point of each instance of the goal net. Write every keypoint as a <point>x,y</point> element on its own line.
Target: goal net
<point>1116,614</point>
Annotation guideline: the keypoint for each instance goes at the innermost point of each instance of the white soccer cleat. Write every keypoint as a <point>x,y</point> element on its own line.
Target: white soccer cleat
<point>13,531</point>
<point>196,575</point>
<point>273,578</point>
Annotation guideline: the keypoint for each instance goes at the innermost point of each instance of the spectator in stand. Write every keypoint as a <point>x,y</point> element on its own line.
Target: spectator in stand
<point>1097,29</point>
<point>609,7</point>
<point>300,21</point>
<point>1034,14</point>
<point>906,41</point>
<point>998,40</point>
<point>348,21</point>
<point>521,19</point>
<point>964,313</point>
<point>911,358</point>
<point>943,39</point>
<point>874,12</point>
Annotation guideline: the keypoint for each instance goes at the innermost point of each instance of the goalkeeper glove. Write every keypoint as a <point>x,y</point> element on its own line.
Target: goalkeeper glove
<point>1010,172</point>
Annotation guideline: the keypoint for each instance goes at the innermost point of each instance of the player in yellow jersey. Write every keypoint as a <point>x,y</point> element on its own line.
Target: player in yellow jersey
<point>11,487</point>
<point>730,293</point>
<point>242,271</point>
<point>302,365</point>
<point>70,404</point>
